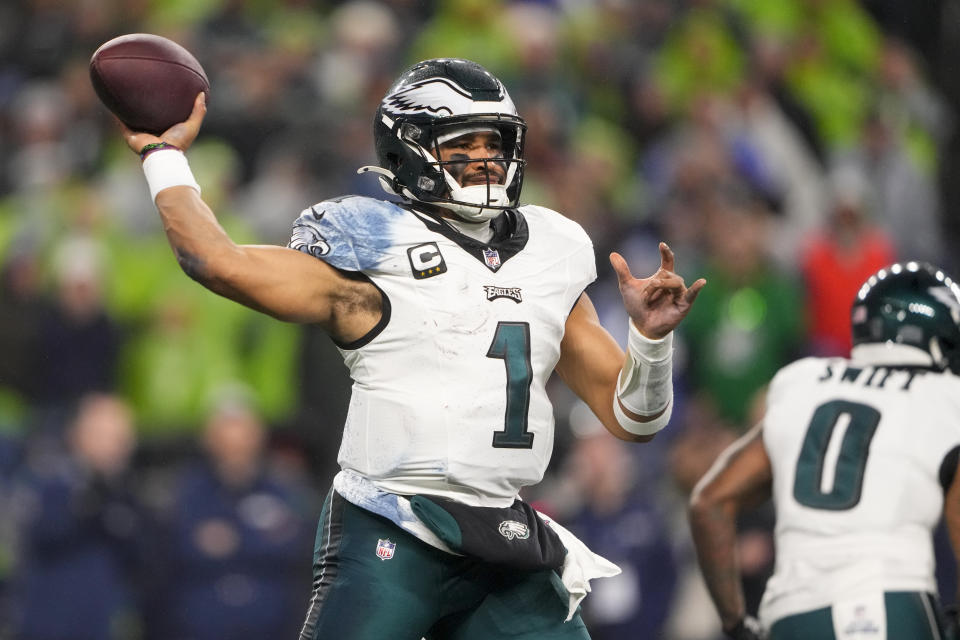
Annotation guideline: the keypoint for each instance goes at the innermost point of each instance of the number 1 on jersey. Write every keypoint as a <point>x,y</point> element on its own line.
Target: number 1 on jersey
<point>511,343</point>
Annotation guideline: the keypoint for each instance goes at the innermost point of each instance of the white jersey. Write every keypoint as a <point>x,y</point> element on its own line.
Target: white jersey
<point>449,392</point>
<point>856,452</point>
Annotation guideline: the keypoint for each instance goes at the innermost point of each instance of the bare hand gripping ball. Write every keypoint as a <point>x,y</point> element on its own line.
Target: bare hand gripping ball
<point>147,81</point>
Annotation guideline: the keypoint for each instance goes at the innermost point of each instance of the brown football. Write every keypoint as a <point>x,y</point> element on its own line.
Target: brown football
<point>149,82</point>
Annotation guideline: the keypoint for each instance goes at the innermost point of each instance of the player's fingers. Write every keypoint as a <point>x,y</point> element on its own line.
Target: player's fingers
<point>134,139</point>
<point>620,267</point>
<point>694,290</point>
<point>183,133</point>
<point>124,129</point>
<point>666,257</point>
<point>196,115</point>
<point>665,280</point>
<point>654,295</point>
<point>199,109</point>
<point>129,135</point>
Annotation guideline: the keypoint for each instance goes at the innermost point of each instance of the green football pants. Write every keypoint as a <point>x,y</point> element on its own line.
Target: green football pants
<point>374,581</point>
<point>910,616</point>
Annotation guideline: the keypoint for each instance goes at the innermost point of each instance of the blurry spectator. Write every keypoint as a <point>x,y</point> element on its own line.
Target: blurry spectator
<point>468,29</point>
<point>11,449</point>
<point>649,117</point>
<point>621,520</point>
<point>749,321</point>
<point>837,260</point>
<point>363,35</point>
<point>906,202</point>
<point>681,175</point>
<point>41,158</point>
<point>920,111</point>
<point>236,541</point>
<point>834,47</point>
<point>79,342</point>
<point>700,55</point>
<point>82,539</point>
<point>176,360</point>
<point>272,199</point>
<point>190,346</point>
<point>792,173</point>
<point>42,37</point>
<point>21,308</point>
<point>249,79</point>
<point>710,148</point>
<point>85,136</point>
<point>593,184</point>
<point>769,51</point>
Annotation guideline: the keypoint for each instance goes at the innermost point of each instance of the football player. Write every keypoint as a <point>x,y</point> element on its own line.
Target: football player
<point>451,307</point>
<point>860,458</point>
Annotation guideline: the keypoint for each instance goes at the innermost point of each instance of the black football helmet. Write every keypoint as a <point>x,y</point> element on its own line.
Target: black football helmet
<point>436,100</point>
<point>908,307</point>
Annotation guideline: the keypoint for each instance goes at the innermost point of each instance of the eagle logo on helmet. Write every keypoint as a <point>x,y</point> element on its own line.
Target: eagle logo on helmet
<point>437,96</point>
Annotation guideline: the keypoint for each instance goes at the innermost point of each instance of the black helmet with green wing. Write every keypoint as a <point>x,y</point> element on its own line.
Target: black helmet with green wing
<point>435,100</point>
<point>908,314</point>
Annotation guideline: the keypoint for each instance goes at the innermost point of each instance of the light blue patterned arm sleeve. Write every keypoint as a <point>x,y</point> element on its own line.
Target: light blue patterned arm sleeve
<point>317,232</point>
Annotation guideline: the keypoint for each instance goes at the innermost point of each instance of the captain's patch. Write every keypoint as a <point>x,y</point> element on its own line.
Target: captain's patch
<point>426,261</point>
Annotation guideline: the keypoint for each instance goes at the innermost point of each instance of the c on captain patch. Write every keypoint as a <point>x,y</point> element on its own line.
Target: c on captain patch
<point>426,261</point>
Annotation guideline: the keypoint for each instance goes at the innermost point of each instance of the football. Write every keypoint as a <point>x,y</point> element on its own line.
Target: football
<point>149,82</point>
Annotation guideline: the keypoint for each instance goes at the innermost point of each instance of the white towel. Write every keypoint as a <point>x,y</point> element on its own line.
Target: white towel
<point>579,567</point>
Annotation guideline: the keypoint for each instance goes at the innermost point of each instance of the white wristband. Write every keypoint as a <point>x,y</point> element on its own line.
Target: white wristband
<point>167,168</point>
<point>645,383</point>
<point>648,349</point>
<point>638,428</point>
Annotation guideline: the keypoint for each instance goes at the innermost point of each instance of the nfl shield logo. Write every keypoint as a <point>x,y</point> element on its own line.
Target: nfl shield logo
<point>492,258</point>
<point>385,549</point>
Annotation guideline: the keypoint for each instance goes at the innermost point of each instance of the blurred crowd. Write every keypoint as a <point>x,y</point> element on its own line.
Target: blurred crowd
<point>163,452</point>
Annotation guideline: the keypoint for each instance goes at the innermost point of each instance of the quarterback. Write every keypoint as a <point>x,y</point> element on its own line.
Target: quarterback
<point>860,458</point>
<point>452,304</point>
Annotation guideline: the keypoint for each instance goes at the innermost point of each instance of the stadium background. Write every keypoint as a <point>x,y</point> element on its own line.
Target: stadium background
<point>784,149</point>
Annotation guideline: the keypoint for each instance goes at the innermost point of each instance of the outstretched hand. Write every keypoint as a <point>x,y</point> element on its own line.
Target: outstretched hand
<point>657,304</point>
<point>180,135</point>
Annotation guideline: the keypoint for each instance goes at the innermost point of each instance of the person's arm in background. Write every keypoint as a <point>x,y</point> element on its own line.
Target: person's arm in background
<point>631,394</point>
<point>741,478</point>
